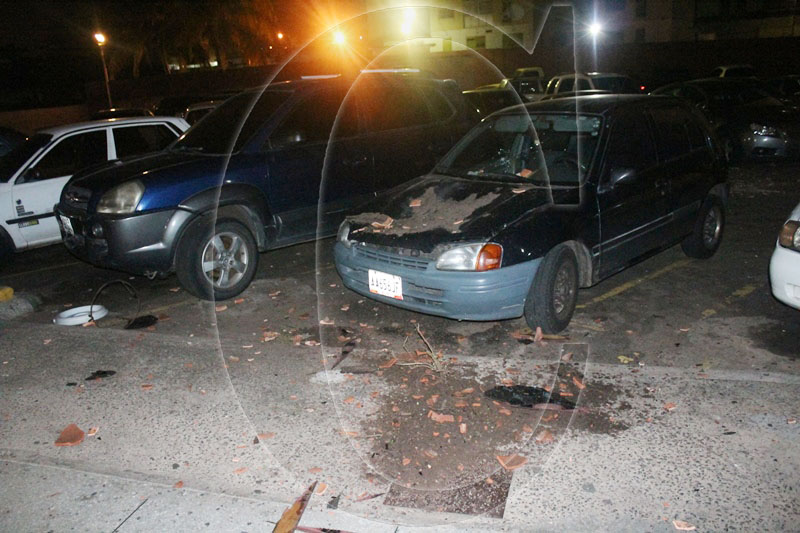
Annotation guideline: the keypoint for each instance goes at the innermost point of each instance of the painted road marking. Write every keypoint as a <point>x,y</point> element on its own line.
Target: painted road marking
<point>633,283</point>
<point>738,294</point>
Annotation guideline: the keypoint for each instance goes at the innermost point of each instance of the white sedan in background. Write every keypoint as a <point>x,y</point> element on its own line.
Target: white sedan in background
<point>784,268</point>
<point>33,174</point>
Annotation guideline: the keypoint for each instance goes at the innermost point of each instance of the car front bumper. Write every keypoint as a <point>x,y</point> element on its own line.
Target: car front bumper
<point>141,243</point>
<point>784,275</point>
<point>493,295</point>
<point>763,147</point>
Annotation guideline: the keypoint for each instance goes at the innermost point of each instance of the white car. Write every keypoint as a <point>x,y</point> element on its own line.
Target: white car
<point>33,174</point>
<point>784,268</point>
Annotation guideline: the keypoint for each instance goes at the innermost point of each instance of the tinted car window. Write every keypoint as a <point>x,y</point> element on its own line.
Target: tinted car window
<point>583,85</point>
<point>388,107</point>
<point>671,135</point>
<point>72,154</point>
<point>17,157</point>
<point>312,120</point>
<point>566,85</point>
<point>439,106</point>
<point>630,144</point>
<point>614,84</point>
<point>217,132</point>
<point>697,137</point>
<point>141,139</point>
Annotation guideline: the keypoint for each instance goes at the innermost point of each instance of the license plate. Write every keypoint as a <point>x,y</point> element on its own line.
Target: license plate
<point>67,225</point>
<point>386,284</point>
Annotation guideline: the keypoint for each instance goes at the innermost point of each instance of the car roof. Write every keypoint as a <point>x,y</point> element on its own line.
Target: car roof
<point>600,104</point>
<point>69,128</point>
<point>310,82</point>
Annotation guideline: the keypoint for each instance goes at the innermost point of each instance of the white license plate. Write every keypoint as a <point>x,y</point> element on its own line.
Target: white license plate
<point>67,225</point>
<point>386,284</point>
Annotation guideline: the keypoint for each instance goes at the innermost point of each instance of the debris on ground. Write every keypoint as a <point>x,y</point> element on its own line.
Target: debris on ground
<point>437,361</point>
<point>291,516</point>
<point>141,322</point>
<point>526,396</point>
<point>511,462</point>
<point>70,436</point>
<point>100,374</point>
<point>680,525</point>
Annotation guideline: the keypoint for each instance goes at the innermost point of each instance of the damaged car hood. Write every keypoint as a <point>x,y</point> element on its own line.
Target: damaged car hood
<point>438,209</point>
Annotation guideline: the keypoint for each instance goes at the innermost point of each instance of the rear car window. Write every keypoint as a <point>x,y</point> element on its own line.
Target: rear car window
<point>439,107</point>
<point>312,120</point>
<point>389,106</point>
<point>671,135</point>
<point>132,140</point>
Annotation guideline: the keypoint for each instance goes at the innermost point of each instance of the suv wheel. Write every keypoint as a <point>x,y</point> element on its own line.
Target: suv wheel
<point>706,236</point>
<point>216,262</point>
<point>554,291</point>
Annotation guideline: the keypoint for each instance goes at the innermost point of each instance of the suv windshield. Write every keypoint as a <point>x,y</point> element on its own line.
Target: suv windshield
<point>215,133</point>
<point>17,157</point>
<point>554,149</point>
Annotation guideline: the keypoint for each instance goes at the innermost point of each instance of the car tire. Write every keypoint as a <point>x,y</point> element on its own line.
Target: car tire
<point>216,261</point>
<point>6,247</point>
<point>554,291</point>
<point>706,235</point>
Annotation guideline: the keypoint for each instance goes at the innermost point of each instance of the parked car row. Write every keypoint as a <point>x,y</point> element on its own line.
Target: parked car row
<point>536,201</point>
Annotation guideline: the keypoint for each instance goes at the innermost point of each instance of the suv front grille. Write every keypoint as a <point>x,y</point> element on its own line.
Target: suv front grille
<point>391,259</point>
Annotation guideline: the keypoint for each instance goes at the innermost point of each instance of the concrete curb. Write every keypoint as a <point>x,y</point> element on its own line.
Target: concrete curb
<point>21,304</point>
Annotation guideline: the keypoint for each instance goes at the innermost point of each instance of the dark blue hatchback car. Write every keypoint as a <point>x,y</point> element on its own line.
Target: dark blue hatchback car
<point>249,176</point>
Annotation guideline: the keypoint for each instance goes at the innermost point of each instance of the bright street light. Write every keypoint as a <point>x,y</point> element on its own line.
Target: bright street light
<point>595,28</point>
<point>280,35</point>
<point>100,39</point>
<point>338,37</point>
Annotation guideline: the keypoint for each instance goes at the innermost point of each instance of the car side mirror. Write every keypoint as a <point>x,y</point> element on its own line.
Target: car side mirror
<point>622,175</point>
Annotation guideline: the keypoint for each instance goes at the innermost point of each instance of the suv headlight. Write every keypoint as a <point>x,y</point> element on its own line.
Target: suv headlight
<point>764,131</point>
<point>472,257</point>
<point>790,235</point>
<point>121,199</point>
<point>344,233</point>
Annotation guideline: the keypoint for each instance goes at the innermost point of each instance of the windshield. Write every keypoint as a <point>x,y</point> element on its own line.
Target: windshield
<point>17,157</point>
<point>215,133</point>
<point>554,149</point>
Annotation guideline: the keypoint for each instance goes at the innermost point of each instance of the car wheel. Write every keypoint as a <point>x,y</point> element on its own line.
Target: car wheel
<point>6,248</point>
<point>706,236</point>
<point>554,291</point>
<point>216,262</point>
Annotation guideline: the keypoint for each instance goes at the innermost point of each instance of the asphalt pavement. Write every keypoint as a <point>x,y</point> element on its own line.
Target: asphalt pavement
<point>685,375</point>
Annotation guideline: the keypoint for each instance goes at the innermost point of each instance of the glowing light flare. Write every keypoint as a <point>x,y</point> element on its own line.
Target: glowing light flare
<point>338,37</point>
<point>280,36</point>
<point>100,39</point>
<point>595,28</point>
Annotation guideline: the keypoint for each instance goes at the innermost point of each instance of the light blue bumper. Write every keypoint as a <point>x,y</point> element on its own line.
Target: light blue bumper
<point>493,295</point>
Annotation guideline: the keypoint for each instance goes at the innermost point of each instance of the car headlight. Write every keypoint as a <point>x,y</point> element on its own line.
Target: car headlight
<point>790,235</point>
<point>344,233</point>
<point>121,199</point>
<point>472,257</point>
<point>764,131</point>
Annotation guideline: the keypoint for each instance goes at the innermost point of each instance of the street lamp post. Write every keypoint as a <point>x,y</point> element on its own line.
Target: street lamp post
<point>101,42</point>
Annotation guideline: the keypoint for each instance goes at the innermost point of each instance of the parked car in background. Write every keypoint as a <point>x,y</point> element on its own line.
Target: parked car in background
<point>175,106</point>
<point>733,71</point>
<point>248,177</point>
<point>528,82</point>
<point>574,82</point>
<point>785,87</point>
<point>490,98</point>
<point>120,112</point>
<point>752,123</point>
<point>33,174</point>
<point>9,139</point>
<point>784,267</point>
<point>197,111</point>
<point>536,202</point>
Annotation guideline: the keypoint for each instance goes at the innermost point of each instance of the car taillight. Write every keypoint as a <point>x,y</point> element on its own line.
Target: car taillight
<point>489,258</point>
<point>789,236</point>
